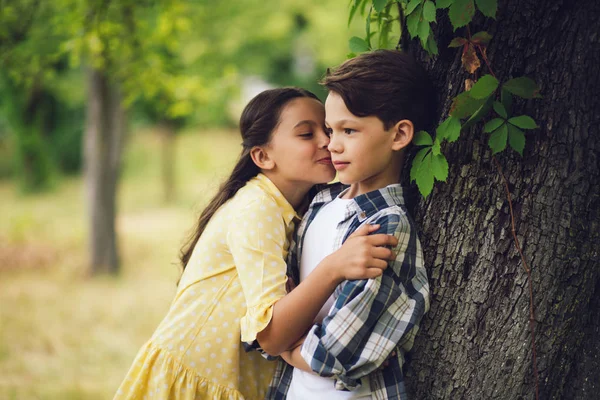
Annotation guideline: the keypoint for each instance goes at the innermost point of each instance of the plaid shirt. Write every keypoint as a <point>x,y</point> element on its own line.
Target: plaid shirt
<point>370,318</point>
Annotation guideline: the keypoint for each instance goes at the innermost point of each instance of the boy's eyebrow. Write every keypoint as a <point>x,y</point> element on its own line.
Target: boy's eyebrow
<point>304,122</point>
<point>341,122</point>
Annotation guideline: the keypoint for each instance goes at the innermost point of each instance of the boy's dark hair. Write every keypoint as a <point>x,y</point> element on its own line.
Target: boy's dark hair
<point>388,84</point>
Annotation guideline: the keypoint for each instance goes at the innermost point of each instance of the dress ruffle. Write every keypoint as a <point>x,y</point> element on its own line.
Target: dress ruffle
<point>255,320</point>
<point>156,374</point>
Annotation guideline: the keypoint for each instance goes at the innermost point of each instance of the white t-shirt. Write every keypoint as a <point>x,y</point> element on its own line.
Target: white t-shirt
<point>318,244</point>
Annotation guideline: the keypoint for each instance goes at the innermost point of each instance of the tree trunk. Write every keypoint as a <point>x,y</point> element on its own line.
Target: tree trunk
<point>105,127</point>
<point>167,135</point>
<point>475,342</point>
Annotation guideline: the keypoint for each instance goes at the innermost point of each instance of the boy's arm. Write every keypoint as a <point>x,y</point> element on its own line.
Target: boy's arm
<point>370,318</point>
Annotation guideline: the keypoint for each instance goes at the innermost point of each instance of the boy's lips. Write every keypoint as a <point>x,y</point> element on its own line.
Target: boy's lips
<point>339,165</point>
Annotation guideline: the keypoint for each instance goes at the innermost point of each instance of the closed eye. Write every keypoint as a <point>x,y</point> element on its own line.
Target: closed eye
<point>306,135</point>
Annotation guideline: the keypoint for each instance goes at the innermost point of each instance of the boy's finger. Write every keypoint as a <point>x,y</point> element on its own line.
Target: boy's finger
<point>383,253</point>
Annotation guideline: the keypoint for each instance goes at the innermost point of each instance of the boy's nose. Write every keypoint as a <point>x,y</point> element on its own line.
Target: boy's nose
<point>334,145</point>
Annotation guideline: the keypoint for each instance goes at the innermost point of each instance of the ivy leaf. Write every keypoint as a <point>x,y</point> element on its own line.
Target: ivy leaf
<point>469,59</point>
<point>432,47</point>
<point>498,139</point>
<point>523,122</point>
<point>412,6</point>
<point>464,105</point>
<point>350,55</point>
<point>358,45</point>
<point>485,86</point>
<point>488,7</point>
<point>516,139</point>
<point>412,24</point>
<point>523,87</point>
<point>437,147</point>
<point>429,11</point>
<point>424,30</point>
<point>439,166</point>
<point>353,9</point>
<point>422,138</point>
<point>479,114</point>
<point>422,171</point>
<point>458,41</point>
<point>493,125</point>
<point>506,99</point>
<point>499,108</point>
<point>443,3</point>
<point>481,38</point>
<point>461,13</point>
<point>379,5</point>
<point>449,129</point>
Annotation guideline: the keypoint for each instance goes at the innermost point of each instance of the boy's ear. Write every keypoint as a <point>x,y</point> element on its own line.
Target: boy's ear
<point>261,158</point>
<point>404,132</point>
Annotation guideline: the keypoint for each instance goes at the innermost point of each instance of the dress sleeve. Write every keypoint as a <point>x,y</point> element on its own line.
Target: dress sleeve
<point>370,318</point>
<point>256,239</point>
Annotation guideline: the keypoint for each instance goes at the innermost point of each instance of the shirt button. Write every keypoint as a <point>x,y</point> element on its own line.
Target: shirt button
<point>363,215</point>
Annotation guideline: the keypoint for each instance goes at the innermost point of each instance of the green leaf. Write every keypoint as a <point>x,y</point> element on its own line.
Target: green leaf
<point>424,30</point>
<point>499,108</point>
<point>464,105</point>
<point>358,45</point>
<point>449,129</point>
<point>439,166</point>
<point>461,13</point>
<point>422,171</point>
<point>429,11</point>
<point>432,47</point>
<point>479,114</point>
<point>350,55</point>
<point>422,138</point>
<point>493,125</point>
<point>498,139</point>
<point>443,3</point>
<point>516,139</point>
<point>437,147</point>
<point>353,9</point>
<point>485,86</point>
<point>488,7</point>
<point>523,87</point>
<point>523,122</point>
<point>506,99</point>
<point>481,38</point>
<point>458,42</point>
<point>379,5</point>
<point>412,6</point>
<point>412,23</point>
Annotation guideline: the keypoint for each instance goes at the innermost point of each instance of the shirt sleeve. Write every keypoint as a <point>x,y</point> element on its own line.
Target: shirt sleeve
<point>370,318</point>
<point>256,238</point>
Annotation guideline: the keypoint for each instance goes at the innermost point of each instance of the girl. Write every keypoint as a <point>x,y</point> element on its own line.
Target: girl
<point>234,280</point>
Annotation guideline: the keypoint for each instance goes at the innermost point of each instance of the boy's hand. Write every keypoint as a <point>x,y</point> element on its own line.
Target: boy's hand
<point>363,256</point>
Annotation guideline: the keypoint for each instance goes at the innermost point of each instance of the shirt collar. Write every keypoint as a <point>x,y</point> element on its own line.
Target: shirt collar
<point>269,187</point>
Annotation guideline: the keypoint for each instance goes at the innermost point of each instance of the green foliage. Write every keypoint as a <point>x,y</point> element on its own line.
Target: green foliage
<point>472,105</point>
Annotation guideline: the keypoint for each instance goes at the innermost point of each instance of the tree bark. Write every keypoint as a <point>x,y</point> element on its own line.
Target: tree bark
<point>104,132</point>
<point>475,342</point>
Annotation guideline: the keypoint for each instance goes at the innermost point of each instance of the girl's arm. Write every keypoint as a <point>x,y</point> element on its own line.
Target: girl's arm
<point>362,256</point>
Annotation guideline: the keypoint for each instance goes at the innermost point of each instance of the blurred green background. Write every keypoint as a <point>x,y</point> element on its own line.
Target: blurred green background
<point>183,70</point>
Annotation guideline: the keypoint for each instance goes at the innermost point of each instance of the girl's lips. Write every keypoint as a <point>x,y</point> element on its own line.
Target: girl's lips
<point>325,160</point>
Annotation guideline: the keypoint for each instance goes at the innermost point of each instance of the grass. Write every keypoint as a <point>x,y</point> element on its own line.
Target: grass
<point>64,335</point>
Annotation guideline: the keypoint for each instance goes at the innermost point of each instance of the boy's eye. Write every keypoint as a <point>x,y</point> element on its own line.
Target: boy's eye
<point>348,131</point>
<point>328,131</point>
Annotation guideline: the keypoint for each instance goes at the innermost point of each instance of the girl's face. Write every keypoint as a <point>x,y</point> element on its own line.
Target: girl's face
<point>298,145</point>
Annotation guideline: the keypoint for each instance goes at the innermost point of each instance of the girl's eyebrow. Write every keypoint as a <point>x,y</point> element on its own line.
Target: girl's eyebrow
<point>305,122</point>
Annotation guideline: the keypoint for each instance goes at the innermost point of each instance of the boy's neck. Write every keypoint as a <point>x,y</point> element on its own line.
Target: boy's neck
<point>390,176</point>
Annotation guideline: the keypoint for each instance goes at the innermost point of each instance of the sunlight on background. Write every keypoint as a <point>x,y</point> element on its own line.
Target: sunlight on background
<point>191,67</point>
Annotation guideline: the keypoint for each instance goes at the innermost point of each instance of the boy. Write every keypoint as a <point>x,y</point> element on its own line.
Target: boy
<point>376,103</point>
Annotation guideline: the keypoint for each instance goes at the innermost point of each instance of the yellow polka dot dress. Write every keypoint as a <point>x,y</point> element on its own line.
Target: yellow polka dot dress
<point>226,295</point>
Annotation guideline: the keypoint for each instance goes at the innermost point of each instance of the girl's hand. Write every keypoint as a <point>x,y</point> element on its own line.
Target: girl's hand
<point>362,256</point>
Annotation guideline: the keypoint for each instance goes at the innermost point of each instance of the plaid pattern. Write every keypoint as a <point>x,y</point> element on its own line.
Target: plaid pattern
<point>370,318</point>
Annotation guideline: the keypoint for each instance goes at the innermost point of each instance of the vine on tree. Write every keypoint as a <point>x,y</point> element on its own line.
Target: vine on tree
<point>486,98</point>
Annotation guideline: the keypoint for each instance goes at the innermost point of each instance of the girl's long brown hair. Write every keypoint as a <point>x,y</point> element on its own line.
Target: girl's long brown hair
<point>259,119</point>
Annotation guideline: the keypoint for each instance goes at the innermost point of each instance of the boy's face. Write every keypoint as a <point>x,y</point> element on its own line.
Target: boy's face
<point>364,153</point>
